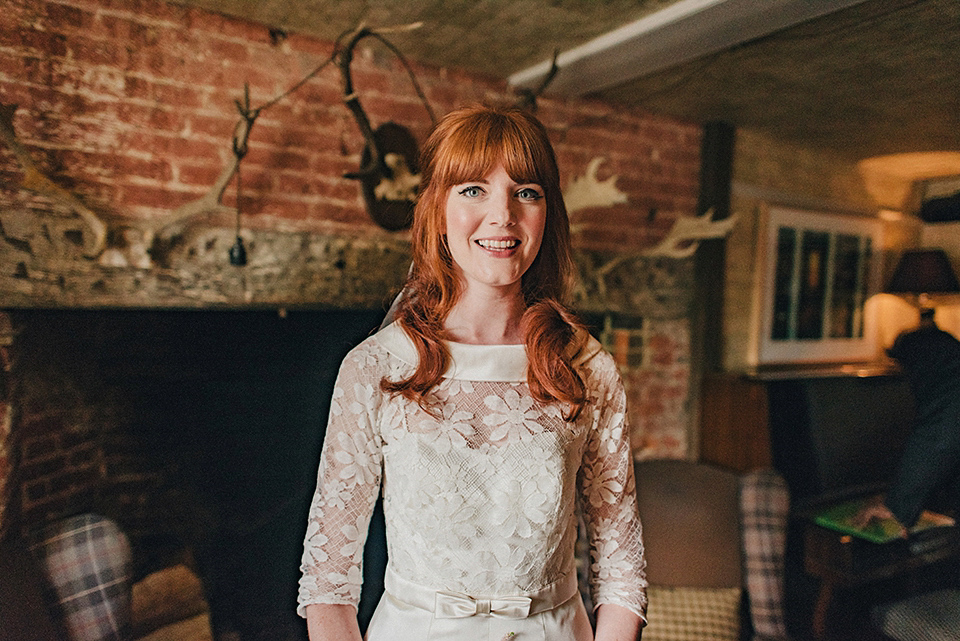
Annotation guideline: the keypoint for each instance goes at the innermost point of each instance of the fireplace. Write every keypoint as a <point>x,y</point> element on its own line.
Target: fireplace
<point>197,431</point>
<point>185,406</point>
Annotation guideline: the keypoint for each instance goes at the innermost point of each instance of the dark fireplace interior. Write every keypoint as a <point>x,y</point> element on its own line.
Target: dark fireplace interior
<point>197,431</point>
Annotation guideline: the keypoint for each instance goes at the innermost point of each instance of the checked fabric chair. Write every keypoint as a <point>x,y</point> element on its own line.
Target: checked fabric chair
<point>715,544</point>
<point>87,562</point>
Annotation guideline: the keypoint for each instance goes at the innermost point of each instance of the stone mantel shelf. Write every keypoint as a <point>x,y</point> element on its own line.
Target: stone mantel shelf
<point>298,270</point>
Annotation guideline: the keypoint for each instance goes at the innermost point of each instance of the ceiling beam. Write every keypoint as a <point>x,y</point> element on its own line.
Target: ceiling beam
<point>681,32</point>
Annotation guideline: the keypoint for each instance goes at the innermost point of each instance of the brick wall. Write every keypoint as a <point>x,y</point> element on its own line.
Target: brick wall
<point>129,105</point>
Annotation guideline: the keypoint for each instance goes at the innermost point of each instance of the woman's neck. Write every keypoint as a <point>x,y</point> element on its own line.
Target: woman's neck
<point>486,318</point>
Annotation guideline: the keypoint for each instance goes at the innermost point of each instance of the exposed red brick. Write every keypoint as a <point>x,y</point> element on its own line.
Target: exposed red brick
<point>110,27</point>
<point>158,197</point>
<point>203,176</point>
<point>228,50</point>
<point>60,15</point>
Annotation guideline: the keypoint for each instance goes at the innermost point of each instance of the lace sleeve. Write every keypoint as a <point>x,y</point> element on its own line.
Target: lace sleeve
<point>609,496</point>
<point>348,482</point>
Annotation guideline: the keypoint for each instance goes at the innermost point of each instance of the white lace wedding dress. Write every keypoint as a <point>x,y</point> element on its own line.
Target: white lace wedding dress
<point>480,501</point>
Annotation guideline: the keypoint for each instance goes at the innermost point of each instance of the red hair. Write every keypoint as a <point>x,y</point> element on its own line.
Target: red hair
<point>467,144</point>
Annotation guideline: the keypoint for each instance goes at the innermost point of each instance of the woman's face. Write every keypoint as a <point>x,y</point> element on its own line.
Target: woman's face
<point>494,227</point>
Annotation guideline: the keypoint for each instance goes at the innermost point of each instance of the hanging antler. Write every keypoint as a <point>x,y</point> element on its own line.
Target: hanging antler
<point>38,182</point>
<point>687,231</point>
<point>210,202</point>
<point>589,191</point>
<point>374,162</point>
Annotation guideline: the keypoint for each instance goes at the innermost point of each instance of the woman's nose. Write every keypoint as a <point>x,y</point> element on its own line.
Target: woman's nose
<point>501,212</point>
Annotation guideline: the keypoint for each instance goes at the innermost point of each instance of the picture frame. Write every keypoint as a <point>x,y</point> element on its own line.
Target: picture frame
<point>815,272</point>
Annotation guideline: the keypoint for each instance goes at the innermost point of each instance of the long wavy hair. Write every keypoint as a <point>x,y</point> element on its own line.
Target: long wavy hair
<point>465,145</point>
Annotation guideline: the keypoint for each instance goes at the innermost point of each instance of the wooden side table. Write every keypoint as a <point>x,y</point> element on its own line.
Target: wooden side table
<point>842,561</point>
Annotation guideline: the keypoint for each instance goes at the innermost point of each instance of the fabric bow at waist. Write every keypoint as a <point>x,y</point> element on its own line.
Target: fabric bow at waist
<point>452,605</point>
<point>455,605</point>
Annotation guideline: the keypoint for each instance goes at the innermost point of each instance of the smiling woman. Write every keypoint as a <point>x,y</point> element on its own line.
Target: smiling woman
<point>485,411</point>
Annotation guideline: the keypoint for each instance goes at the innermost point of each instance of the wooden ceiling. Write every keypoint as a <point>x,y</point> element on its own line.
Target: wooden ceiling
<point>867,79</point>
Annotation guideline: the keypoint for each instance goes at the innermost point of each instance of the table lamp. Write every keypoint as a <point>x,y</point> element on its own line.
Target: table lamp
<point>922,272</point>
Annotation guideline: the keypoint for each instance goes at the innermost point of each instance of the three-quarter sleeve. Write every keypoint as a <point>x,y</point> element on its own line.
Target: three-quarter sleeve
<point>608,496</point>
<point>348,483</point>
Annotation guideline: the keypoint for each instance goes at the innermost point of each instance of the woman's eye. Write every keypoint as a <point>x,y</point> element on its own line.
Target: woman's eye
<point>529,193</point>
<point>470,192</point>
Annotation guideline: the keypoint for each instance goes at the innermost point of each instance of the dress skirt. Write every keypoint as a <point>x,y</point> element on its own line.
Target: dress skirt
<point>410,612</point>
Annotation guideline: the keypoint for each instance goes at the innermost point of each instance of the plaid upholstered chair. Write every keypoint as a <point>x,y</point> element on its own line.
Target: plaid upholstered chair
<point>87,562</point>
<point>715,543</point>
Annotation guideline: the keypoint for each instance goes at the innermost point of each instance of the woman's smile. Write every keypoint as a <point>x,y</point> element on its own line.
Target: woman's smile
<point>498,245</point>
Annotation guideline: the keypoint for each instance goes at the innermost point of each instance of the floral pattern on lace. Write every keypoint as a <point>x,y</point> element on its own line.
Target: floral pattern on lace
<point>481,494</point>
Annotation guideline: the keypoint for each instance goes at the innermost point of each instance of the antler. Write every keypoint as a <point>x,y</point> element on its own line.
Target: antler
<point>210,201</point>
<point>375,162</point>
<point>587,191</point>
<point>681,242</point>
<point>38,182</point>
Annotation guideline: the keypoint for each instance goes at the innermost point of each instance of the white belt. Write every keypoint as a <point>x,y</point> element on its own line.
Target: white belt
<point>455,605</point>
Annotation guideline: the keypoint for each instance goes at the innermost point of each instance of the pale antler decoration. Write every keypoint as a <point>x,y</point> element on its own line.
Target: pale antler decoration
<point>38,182</point>
<point>586,191</point>
<point>682,241</point>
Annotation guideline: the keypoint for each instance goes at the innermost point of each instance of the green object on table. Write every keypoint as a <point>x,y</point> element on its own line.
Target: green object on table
<point>840,517</point>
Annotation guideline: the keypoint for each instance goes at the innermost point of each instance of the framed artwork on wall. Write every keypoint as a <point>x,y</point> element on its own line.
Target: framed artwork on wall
<point>815,271</point>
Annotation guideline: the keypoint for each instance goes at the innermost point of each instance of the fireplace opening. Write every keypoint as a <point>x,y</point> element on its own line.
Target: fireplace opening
<point>198,432</point>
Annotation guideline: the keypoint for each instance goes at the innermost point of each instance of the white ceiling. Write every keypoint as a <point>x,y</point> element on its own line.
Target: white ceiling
<point>858,78</point>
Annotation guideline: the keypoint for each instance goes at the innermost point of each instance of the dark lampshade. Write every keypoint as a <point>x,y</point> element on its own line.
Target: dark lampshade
<point>923,271</point>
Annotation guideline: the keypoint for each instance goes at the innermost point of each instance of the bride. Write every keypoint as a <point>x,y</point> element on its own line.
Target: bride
<point>486,415</point>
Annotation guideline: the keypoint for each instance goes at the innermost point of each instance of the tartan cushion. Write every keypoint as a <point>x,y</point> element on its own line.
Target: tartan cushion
<point>87,561</point>
<point>764,502</point>
<point>692,614</point>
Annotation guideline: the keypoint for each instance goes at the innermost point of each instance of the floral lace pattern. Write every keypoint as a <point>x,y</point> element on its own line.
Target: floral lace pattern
<point>480,497</point>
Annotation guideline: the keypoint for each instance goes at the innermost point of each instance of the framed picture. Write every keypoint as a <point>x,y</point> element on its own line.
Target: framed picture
<point>816,271</point>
